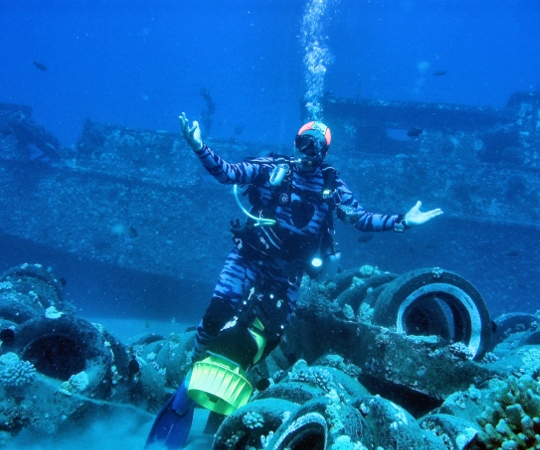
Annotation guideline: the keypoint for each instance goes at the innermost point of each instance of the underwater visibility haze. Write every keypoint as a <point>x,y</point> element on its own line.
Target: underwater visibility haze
<point>250,67</point>
<point>140,63</point>
<point>106,208</point>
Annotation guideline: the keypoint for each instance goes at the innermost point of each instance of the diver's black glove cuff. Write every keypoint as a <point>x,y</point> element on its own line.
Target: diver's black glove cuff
<point>400,226</point>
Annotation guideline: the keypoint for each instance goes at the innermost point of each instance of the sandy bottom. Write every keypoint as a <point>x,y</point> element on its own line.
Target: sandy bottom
<point>127,429</point>
<point>119,431</point>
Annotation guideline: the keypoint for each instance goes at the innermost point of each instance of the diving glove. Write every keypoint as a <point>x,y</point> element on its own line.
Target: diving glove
<point>416,217</point>
<point>191,134</point>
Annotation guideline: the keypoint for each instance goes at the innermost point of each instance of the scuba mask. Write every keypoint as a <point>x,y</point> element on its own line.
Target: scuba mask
<point>311,144</point>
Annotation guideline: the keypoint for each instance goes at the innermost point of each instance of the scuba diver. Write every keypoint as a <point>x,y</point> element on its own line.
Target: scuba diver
<point>288,232</point>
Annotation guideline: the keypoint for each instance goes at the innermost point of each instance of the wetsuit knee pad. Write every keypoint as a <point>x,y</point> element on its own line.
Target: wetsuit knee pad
<point>218,313</point>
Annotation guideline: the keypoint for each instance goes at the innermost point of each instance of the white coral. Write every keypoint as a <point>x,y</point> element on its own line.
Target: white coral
<point>14,372</point>
<point>77,383</point>
<point>344,443</point>
<point>52,313</point>
<point>253,420</point>
<point>348,311</point>
<point>367,271</point>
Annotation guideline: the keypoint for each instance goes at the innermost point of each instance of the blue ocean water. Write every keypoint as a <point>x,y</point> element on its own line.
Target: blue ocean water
<point>140,63</point>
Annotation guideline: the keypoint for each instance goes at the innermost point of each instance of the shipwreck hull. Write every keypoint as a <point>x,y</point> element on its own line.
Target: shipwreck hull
<point>139,201</point>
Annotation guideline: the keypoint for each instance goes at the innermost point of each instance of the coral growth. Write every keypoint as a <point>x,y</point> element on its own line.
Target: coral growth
<point>253,419</point>
<point>367,270</point>
<point>337,362</point>
<point>76,384</point>
<point>317,376</point>
<point>14,372</point>
<point>513,419</point>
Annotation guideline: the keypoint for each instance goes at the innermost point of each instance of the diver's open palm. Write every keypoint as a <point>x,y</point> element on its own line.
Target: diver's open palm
<point>191,134</point>
<point>416,217</point>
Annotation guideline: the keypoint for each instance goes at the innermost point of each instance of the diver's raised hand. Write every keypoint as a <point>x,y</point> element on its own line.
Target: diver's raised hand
<point>416,217</point>
<point>191,134</point>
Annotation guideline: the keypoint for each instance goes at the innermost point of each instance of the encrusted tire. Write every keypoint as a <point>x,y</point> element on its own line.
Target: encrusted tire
<point>393,427</point>
<point>173,357</point>
<point>321,424</point>
<point>356,294</point>
<point>456,432</point>
<point>512,323</point>
<point>64,347</point>
<point>15,311</point>
<point>36,279</point>
<point>145,339</point>
<point>244,428</point>
<point>424,300</point>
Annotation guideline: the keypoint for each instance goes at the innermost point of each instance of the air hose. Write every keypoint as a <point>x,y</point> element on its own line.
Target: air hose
<point>259,221</point>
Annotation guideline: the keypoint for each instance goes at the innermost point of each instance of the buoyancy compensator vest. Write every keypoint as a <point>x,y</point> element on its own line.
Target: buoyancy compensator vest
<point>269,190</point>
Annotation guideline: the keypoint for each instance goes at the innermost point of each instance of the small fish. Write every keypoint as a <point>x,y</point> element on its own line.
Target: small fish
<point>238,129</point>
<point>414,132</point>
<point>147,324</point>
<point>133,233</point>
<point>40,66</point>
<point>365,238</point>
<point>440,73</point>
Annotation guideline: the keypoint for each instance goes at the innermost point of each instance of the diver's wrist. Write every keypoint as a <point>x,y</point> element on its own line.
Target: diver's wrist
<point>198,149</point>
<point>401,224</point>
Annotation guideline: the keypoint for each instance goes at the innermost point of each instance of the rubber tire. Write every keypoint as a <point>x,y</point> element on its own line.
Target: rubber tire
<point>62,347</point>
<point>531,339</point>
<point>311,427</point>
<point>120,356</point>
<point>16,311</point>
<point>355,295</point>
<point>145,339</point>
<point>511,323</point>
<point>235,432</point>
<point>470,316</point>
<point>35,277</point>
